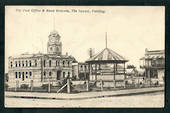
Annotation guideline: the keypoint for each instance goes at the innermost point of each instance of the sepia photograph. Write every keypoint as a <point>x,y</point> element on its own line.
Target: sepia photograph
<point>84,57</point>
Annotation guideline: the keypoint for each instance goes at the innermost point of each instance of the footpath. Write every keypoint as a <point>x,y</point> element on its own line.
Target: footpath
<point>82,95</point>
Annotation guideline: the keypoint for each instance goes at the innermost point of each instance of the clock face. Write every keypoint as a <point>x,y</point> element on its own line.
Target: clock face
<point>53,39</point>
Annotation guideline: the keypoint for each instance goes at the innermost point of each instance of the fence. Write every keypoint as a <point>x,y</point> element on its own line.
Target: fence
<point>66,85</point>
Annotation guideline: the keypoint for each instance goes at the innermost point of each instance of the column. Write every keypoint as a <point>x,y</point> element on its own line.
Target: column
<point>90,71</point>
<point>87,85</point>
<point>95,72</point>
<point>125,76</point>
<point>114,74</point>
<point>68,86</point>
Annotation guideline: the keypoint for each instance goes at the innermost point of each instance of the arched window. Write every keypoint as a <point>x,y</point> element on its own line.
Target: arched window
<point>49,73</point>
<point>30,73</point>
<point>49,63</point>
<point>22,63</point>
<point>35,63</point>
<point>44,73</point>
<point>19,63</point>
<point>26,63</point>
<point>63,74</point>
<point>23,76</point>
<point>63,63</point>
<point>57,49</point>
<point>15,63</point>
<point>68,74</point>
<point>68,63</point>
<point>51,48</point>
<point>56,63</point>
<point>30,63</point>
<point>81,67</point>
<point>19,74</point>
<point>16,75</point>
<point>26,73</point>
<point>11,64</point>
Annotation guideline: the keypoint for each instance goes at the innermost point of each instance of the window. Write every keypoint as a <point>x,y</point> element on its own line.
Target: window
<point>44,63</point>
<point>23,76</point>
<point>19,64</point>
<point>63,74</point>
<point>16,75</point>
<point>56,63</point>
<point>57,49</point>
<point>19,74</point>
<point>11,64</point>
<point>68,63</point>
<point>22,63</point>
<point>44,73</point>
<point>30,73</point>
<point>35,63</point>
<point>49,73</point>
<point>63,63</point>
<point>26,73</point>
<point>26,63</point>
<point>15,63</point>
<point>30,63</point>
<point>68,74</point>
<point>26,76</point>
<point>81,67</point>
<point>51,48</point>
<point>49,63</point>
<point>85,67</point>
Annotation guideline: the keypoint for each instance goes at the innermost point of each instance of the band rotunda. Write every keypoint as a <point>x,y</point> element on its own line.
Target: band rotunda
<point>38,69</point>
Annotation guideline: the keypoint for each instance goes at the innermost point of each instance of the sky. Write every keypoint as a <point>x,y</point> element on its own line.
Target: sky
<point>130,29</point>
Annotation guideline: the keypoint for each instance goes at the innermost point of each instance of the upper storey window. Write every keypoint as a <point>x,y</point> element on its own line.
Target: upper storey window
<point>49,63</point>
<point>22,63</point>
<point>26,63</point>
<point>19,63</point>
<point>35,63</point>
<point>15,63</point>
<point>11,64</point>
<point>68,63</point>
<point>63,63</point>
<point>30,63</point>
<point>56,63</point>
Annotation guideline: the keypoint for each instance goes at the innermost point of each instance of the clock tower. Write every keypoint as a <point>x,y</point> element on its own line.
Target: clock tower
<point>54,46</point>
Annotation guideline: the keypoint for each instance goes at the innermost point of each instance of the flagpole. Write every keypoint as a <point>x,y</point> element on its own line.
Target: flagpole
<point>106,39</point>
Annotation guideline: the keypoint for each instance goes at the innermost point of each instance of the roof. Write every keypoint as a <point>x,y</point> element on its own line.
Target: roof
<point>26,55</point>
<point>107,55</point>
<point>154,54</point>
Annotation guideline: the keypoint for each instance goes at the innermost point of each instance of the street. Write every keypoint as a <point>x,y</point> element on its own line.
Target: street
<point>144,100</point>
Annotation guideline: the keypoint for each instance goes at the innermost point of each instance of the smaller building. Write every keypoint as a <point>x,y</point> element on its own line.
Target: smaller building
<point>154,64</point>
<point>80,71</point>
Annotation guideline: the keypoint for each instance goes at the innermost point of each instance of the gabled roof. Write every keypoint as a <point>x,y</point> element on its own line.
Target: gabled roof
<point>107,55</point>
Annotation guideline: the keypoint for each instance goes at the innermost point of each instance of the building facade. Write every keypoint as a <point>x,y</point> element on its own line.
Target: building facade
<point>80,70</point>
<point>38,69</point>
<point>154,65</point>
